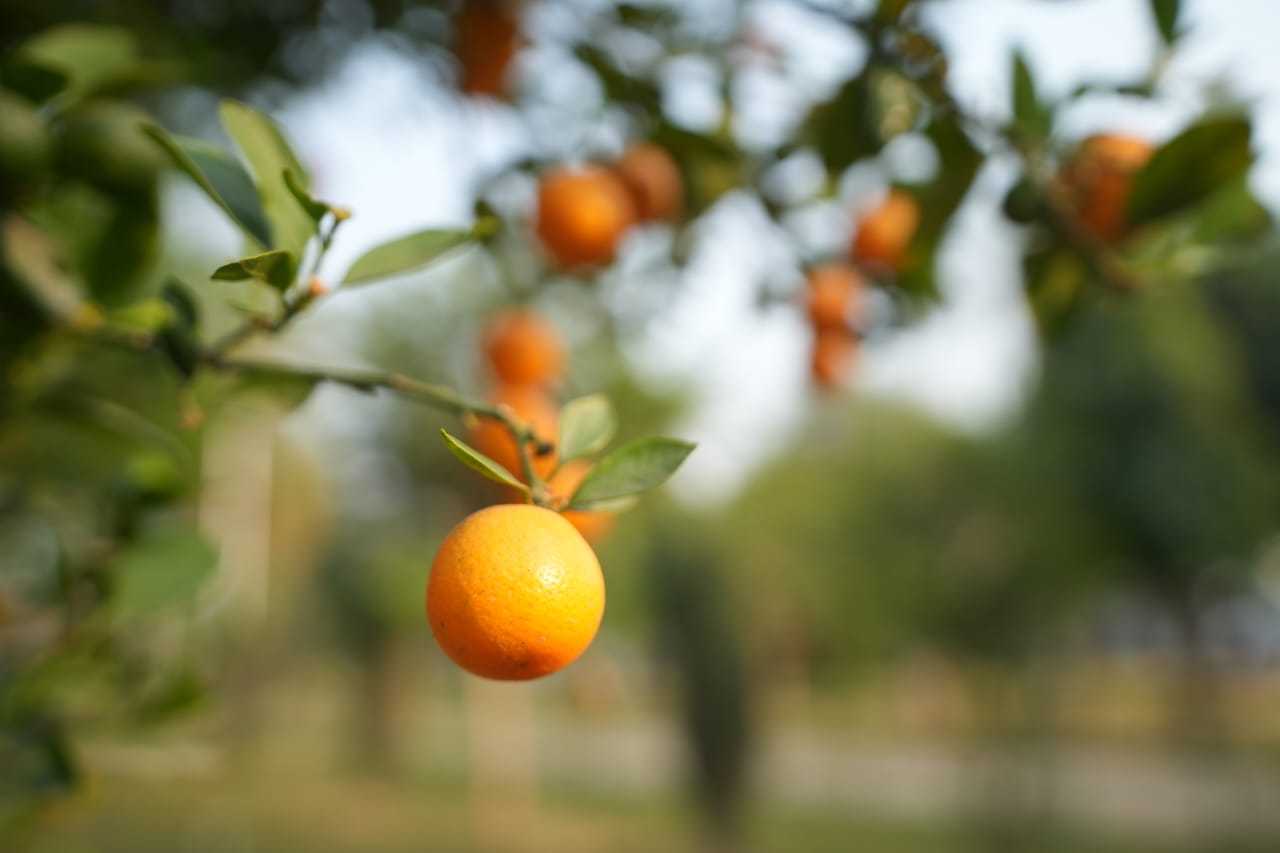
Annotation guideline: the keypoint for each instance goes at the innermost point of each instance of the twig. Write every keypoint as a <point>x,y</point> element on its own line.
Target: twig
<point>438,396</point>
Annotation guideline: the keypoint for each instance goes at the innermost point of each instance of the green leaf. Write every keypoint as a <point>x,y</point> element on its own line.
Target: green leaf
<point>1191,167</point>
<point>587,424</point>
<point>277,268</point>
<point>630,470</point>
<point>179,339</point>
<point>1028,112</point>
<point>1166,13</point>
<point>312,206</point>
<point>35,82</point>
<point>163,569</point>
<point>90,56</point>
<point>477,461</point>
<point>223,180</point>
<point>269,157</point>
<point>406,254</point>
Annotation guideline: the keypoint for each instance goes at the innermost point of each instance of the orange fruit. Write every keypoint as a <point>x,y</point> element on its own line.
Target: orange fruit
<point>531,406</point>
<point>582,216</point>
<point>488,37</point>
<point>523,348</point>
<point>653,179</point>
<point>834,295</point>
<point>885,232</point>
<point>833,353</point>
<point>593,525</point>
<point>514,593</point>
<point>1099,180</point>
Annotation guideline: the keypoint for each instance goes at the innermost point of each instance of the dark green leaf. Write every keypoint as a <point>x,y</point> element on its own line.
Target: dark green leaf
<point>477,461</point>
<point>163,569</point>
<point>630,470</point>
<point>842,129</point>
<point>1166,13</point>
<point>277,268</point>
<point>1023,204</point>
<point>405,254</point>
<point>178,340</point>
<point>223,180</point>
<point>38,83</point>
<point>1191,167</point>
<point>1028,112</point>
<point>313,207</point>
<point>586,425</point>
<point>269,157</point>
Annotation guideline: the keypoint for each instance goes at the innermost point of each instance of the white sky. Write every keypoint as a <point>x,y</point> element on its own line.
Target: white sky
<point>403,154</point>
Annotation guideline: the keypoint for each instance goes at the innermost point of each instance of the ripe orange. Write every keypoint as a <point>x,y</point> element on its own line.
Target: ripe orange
<point>582,216</point>
<point>833,353</point>
<point>488,37</point>
<point>523,348</point>
<point>653,179</point>
<point>515,593</point>
<point>593,525</point>
<point>835,295</point>
<point>532,406</point>
<point>1099,179</point>
<point>883,235</point>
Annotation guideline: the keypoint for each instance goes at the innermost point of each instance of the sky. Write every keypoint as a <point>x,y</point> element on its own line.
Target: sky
<point>404,154</point>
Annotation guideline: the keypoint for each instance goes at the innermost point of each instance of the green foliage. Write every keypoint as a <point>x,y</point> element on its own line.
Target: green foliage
<point>1191,167</point>
<point>481,464</point>
<point>1166,13</point>
<point>270,157</point>
<point>406,254</point>
<point>587,425</point>
<point>631,469</point>
<point>277,268</point>
<point>160,570</point>
<point>223,180</point>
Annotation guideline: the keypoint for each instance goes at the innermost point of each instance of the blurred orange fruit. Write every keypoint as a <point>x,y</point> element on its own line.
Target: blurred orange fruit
<point>524,348</point>
<point>593,525</point>
<point>488,37</point>
<point>531,406</point>
<point>834,295</point>
<point>514,593</point>
<point>653,179</point>
<point>883,235</point>
<point>583,214</point>
<point>1099,180</point>
<point>832,357</point>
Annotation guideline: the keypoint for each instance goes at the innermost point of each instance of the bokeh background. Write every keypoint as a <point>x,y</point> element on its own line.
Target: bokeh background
<point>1014,586</point>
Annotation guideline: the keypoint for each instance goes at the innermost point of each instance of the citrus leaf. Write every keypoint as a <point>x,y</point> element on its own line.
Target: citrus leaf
<point>277,268</point>
<point>1028,112</point>
<point>477,461</point>
<point>88,55</point>
<point>405,254</point>
<point>1166,13</point>
<point>269,157</point>
<point>1191,167</point>
<point>630,470</point>
<point>313,207</point>
<point>223,180</point>
<point>159,570</point>
<point>587,424</point>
